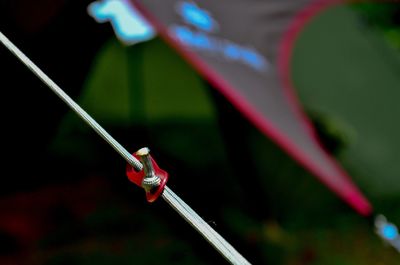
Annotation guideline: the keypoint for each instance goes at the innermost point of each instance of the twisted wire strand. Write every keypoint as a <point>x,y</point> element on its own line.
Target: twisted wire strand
<point>217,241</point>
<point>71,103</point>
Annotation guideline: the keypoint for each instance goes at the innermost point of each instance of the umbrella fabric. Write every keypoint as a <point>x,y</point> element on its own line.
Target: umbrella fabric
<point>242,49</point>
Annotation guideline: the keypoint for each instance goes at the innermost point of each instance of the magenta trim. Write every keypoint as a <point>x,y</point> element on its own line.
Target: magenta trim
<point>353,196</point>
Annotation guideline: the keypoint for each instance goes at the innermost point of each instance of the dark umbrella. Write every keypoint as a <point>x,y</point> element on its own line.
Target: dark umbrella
<point>243,55</point>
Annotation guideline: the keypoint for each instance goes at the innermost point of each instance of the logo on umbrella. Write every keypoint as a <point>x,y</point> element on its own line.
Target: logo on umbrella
<point>194,15</point>
<point>201,38</point>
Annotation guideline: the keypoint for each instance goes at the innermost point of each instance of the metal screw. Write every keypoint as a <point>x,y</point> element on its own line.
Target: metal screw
<point>150,180</point>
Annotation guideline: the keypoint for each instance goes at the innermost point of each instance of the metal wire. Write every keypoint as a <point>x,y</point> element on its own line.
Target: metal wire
<point>71,103</point>
<point>217,241</point>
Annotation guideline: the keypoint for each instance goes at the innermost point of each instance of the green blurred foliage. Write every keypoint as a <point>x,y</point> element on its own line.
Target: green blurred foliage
<point>384,17</point>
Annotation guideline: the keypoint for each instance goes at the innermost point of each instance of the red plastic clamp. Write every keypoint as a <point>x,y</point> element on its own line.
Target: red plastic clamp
<point>150,167</point>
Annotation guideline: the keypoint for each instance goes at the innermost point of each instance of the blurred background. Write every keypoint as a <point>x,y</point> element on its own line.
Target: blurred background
<point>65,198</point>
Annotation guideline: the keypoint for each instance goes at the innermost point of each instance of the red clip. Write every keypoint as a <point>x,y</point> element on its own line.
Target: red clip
<point>137,178</point>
